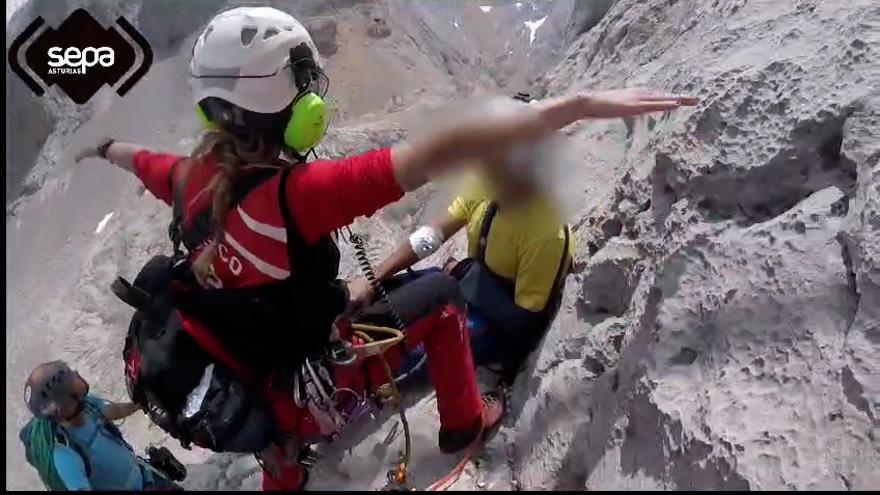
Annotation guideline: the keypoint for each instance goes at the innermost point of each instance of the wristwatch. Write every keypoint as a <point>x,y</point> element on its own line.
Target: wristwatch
<point>102,149</point>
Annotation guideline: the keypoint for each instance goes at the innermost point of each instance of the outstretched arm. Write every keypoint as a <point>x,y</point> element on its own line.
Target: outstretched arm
<point>152,168</point>
<point>362,184</point>
<point>414,163</point>
<point>614,103</point>
<point>119,410</point>
<point>117,153</point>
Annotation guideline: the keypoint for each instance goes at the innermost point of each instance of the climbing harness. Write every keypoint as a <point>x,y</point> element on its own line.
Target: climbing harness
<point>363,260</point>
<point>388,393</point>
<point>315,391</point>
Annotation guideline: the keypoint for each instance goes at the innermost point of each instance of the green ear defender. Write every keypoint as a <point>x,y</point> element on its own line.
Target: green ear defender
<point>307,123</point>
<point>304,130</point>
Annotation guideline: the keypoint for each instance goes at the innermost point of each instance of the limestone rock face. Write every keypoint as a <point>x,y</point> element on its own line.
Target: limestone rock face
<point>747,344</point>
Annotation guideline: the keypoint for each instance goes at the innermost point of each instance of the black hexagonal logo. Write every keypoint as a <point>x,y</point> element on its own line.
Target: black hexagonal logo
<point>80,56</point>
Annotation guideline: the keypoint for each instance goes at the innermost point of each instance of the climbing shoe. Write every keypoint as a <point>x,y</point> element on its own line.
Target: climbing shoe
<point>452,441</point>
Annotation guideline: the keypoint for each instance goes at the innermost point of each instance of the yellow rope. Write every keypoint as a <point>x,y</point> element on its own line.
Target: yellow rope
<point>378,348</point>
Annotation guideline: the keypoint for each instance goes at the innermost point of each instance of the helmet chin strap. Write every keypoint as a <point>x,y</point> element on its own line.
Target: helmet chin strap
<point>80,407</point>
<point>298,157</point>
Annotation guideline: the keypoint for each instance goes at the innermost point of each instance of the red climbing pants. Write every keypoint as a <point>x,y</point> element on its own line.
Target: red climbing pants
<point>434,317</point>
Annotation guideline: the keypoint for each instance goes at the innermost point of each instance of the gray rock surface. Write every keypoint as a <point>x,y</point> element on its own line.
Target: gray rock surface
<point>748,354</point>
<point>722,326</point>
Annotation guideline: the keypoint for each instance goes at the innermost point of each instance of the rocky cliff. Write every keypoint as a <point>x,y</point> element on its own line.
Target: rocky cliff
<point>722,326</point>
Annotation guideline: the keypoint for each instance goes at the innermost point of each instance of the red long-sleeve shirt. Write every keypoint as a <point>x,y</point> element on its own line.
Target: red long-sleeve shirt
<point>322,196</point>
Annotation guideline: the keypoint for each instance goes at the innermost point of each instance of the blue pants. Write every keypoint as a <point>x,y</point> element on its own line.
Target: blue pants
<point>484,347</point>
<point>484,344</point>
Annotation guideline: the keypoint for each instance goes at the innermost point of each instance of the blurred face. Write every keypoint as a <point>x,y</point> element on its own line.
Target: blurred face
<point>74,404</point>
<point>509,189</point>
<point>69,402</point>
<point>63,399</point>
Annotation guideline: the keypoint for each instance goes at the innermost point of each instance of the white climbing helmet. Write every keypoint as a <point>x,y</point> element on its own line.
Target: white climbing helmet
<point>243,57</point>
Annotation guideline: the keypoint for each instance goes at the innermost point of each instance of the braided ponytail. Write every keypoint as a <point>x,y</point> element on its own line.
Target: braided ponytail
<point>235,156</point>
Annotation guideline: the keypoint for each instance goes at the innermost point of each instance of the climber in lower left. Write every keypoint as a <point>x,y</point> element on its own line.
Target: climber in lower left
<point>72,442</point>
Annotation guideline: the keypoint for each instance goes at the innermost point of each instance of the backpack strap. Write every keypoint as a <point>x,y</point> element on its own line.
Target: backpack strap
<point>484,231</point>
<point>200,225</point>
<point>177,208</point>
<point>62,438</point>
<point>296,243</point>
<point>218,352</point>
<point>308,262</point>
<point>561,272</point>
<point>129,294</point>
<point>108,425</point>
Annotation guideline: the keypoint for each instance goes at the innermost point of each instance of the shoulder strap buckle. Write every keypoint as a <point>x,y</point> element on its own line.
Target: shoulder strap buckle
<point>484,231</point>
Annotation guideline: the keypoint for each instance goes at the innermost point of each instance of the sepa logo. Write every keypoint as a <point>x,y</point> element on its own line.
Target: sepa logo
<point>80,56</point>
<point>74,61</point>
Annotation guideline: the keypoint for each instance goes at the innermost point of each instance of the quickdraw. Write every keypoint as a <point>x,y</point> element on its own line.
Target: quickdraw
<point>388,393</point>
<point>398,478</point>
<point>323,406</point>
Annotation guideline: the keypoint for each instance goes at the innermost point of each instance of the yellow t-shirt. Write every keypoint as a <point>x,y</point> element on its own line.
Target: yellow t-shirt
<point>524,245</point>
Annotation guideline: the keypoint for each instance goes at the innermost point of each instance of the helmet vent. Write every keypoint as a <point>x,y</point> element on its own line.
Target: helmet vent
<point>247,35</point>
<point>288,28</point>
<point>270,32</point>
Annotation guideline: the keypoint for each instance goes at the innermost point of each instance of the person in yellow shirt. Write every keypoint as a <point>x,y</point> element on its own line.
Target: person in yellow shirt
<point>519,253</point>
<point>524,246</point>
<point>512,290</point>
